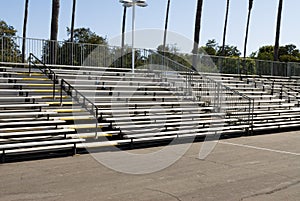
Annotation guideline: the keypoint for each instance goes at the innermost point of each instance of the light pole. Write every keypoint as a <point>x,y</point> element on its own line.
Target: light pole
<point>133,3</point>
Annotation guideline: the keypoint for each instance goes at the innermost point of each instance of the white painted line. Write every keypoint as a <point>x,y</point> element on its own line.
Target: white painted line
<point>261,148</point>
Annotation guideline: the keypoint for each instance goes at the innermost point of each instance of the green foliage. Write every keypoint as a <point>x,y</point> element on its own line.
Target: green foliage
<point>86,43</point>
<point>212,48</point>
<point>266,53</point>
<point>229,51</point>
<point>85,35</point>
<point>287,53</point>
<point>7,30</point>
<point>171,52</point>
<point>123,58</point>
<point>249,67</point>
<point>228,63</point>
<point>11,52</point>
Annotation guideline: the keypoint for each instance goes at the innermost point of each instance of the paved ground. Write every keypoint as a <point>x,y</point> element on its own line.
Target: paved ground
<point>267,168</point>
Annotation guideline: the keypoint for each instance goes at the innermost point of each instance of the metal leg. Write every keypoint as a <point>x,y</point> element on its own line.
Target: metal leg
<point>3,156</point>
<point>74,150</point>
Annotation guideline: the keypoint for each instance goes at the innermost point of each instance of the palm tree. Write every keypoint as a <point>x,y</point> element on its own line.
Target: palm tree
<point>123,34</point>
<point>197,32</point>
<point>247,27</point>
<point>276,47</point>
<point>123,27</point>
<point>166,25</point>
<point>54,30</point>
<point>72,31</point>
<point>24,30</point>
<point>225,27</point>
<point>73,21</point>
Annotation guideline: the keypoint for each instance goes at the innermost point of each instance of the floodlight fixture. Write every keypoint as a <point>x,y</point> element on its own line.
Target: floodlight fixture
<point>133,4</point>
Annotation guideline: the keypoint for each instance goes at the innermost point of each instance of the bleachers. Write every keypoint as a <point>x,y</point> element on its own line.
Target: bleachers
<point>275,103</point>
<point>134,108</point>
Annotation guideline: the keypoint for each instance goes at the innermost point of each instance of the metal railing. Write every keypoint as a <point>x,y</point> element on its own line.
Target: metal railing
<point>285,89</point>
<point>80,99</point>
<point>290,93</point>
<point>201,87</point>
<point>80,54</point>
<point>33,60</point>
<point>65,53</point>
<point>67,88</point>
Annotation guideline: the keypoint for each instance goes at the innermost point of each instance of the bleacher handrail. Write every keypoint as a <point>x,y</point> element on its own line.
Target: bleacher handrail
<point>45,70</point>
<point>68,90</point>
<point>189,72</point>
<point>78,95</point>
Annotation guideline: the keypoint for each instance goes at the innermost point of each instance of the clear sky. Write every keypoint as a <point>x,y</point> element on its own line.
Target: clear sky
<point>104,17</point>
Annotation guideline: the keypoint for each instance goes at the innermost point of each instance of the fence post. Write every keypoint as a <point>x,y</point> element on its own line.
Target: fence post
<point>54,88</point>
<point>30,62</point>
<point>218,97</point>
<point>96,117</point>
<point>272,68</point>
<point>289,70</point>
<point>61,91</point>
<point>238,67</point>
<point>281,91</point>
<point>2,49</point>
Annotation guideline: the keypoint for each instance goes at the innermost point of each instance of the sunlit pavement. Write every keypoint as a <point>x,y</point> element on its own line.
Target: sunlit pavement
<point>265,167</point>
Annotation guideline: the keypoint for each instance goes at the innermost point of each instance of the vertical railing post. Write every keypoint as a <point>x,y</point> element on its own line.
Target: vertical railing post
<point>2,49</point>
<point>54,84</point>
<point>289,70</point>
<point>272,88</point>
<point>251,115</point>
<point>30,63</point>
<point>281,92</point>
<point>81,56</point>
<point>61,91</point>
<point>218,97</point>
<point>272,68</point>
<point>96,117</point>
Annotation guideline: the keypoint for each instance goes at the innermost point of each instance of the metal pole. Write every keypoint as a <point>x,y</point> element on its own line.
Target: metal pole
<point>2,49</point>
<point>133,23</point>
<point>61,91</point>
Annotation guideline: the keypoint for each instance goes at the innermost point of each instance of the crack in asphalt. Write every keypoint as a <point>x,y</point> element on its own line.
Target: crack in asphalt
<point>166,193</point>
<point>272,191</point>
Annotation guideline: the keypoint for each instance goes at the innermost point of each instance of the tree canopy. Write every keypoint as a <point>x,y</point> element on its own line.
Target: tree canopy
<point>172,52</point>
<point>212,48</point>
<point>7,30</point>
<point>85,35</point>
<point>287,53</point>
<point>11,52</point>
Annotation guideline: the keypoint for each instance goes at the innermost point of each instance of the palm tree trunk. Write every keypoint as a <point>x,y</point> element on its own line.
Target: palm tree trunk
<point>247,27</point>
<point>73,21</point>
<point>276,47</point>
<point>72,32</point>
<point>54,30</point>
<point>24,30</point>
<point>197,32</point>
<point>225,27</point>
<point>166,25</point>
<point>123,35</point>
<point>124,27</point>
